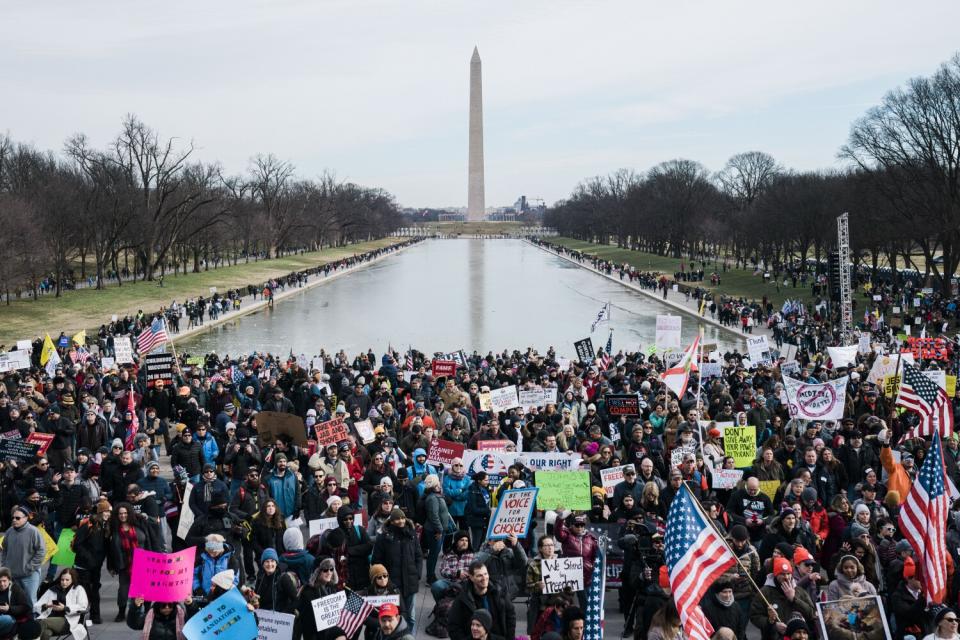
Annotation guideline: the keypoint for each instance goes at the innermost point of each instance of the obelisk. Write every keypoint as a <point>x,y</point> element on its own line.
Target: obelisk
<point>475,189</point>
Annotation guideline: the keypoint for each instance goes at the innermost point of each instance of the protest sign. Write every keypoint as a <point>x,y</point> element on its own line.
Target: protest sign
<point>443,452</point>
<point>443,368</point>
<point>710,369</point>
<point>273,625</point>
<point>270,424</point>
<point>741,444</point>
<point>326,610</point>
<point>531,397</point>
<point>560,574</point>
<point>951,386</point>
<point>550,461</point>
<point>726,478</point>
<point>485,404</point>
<point>331,432</point>
<point>788,369</point>
<point>504,398</point>
<point>321,525</point>
<point>769,488</point>
<point>196,361</point>
<point>585,352</point>
<point>613,476</point>
<point>107,363</point>
<point>843,356</point>
<point>13,360</point>
<point>19,449</point>
<point>162,577</point>
<point>496,445</point>
<point>570,489</point>
<point>886,366</point>
<point>122,350</point>
<point>938,376</point>
<point>563,363</point>
<point>815,401</point>
<point>928,348</point>
<point>42,439</point>
<point>667,336</point>
<point>493,463</point>
<point>863,345</point>
<point>622,404</point>
<point>365,429</point>
<point>186,515</point>
<point>550,396</point>
<point>514,514</point>
<point>227,616</point>
<point>379,601</point>
<point>159,366</point>
<point>759,350</point>
<point>678,453</point>
<point>65,556</point>
<point>459,357</point>
<point>24,345</point>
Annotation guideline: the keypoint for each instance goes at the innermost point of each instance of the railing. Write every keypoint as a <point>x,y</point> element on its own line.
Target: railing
<point>494,232</point>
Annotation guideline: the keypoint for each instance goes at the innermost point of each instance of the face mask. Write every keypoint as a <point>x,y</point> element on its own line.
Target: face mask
<point>213,547</point>
<point>311,421</point>
<point>724,601</point>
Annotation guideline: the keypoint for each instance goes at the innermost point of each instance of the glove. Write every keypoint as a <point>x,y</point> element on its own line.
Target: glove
<point>884,436</point>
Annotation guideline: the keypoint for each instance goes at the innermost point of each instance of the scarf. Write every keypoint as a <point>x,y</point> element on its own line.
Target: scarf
<point>128,542</point>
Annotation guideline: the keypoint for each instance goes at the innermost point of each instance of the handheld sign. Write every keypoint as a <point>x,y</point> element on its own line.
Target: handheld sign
<point>514,514</point>
<point>162,577</point>
<point>274,625</point>
<point>613,476</point>
<point>622,404</point>
<point>42,439</point>
<point>331,432</point>
<point>585,352</point>
<point>571,489</point>
<point>560,574</point>
<point>444,452</point>
<point>225,617</point>
<point>443,368</point>
<point>326,610</point>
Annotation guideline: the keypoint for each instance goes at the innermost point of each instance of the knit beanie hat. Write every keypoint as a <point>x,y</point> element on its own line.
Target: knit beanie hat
<point>484,618</point>
<point>269,554</point>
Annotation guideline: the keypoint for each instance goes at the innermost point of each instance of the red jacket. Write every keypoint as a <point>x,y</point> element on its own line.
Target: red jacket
<point>572,546</point>
<point>817,518</point>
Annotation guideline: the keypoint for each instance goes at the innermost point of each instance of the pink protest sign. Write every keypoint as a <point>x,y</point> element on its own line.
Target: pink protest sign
<point>162,577</point>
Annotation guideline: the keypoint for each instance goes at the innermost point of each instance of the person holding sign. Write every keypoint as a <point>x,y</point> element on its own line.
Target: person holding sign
<point>277,591</point>
<point>322,583</point>
<point>575,540</point>
<point>162,621</point>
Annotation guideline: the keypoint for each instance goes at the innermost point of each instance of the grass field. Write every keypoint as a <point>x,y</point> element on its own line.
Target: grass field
<point>89,308</point>
<point>739,283</point>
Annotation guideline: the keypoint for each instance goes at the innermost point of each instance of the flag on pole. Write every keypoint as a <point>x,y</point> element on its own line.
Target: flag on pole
<point>81,355</point>
<point>135,424</point>
<point>593,621</point>
<point>607,358</point>
<point>928,399</point>
<point>80,338</point>
<point>152,336</point>
<point>354,613</point>
<point>696,556</point>
<point>602,316</point>
<point>678,376</point>
<point>49,357</point>
<point>408,359</point>
<point>923,520</point>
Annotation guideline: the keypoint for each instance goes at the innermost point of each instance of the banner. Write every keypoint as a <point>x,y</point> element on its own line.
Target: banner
<point>458,357</point>
<point>759,350</point>
<point>274,625</point>
<point>667,337</point>
<point>443,452</point>
<point>19,449</point>
<point>122,350</point>
<point>622,404</point>
<point>550,461</point>
<point>928,348</point>
<point>162,577</point>
<point>225,617</point>
<point>320,525</point>
<point>741,444</point>
<point>503,399</point>
<point>13,360</point>
<point>270,424</point>
<point>329,432</point>
<point>815,401</point>
<point>570,489</point>
<point>65,556</point>
<point>560,574</point>
<point>492,463</point>
<point>585,352</point>
<point>514,514</point>
<point>443,368</point>
<point>726,478</point>
<point>611,477</point>
<point>502,446</point>
<point>326,610</point>
<point>41,439</point>
<point>159,366</point>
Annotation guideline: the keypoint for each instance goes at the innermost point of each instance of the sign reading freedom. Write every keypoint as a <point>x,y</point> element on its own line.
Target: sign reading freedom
<point>622,404</point>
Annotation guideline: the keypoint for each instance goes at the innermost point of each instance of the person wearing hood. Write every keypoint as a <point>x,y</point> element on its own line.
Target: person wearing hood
<point>419,469</point>
<point>398,549</point>
<point>217,556</point>
<point>814,514</point>
<point>785,601</point>
<point>456,487</point>
<point>242,456</point>
<point>392,626</point>
<point>277,590</point>
<point>438,522</point>
<point>379,515</point>
<point>720,608</point>
<point>295,556</point>
<point>850,580</point>
<point>358,547</point>
<point>128,472</point>
<point>204,491</point>
<point>477,513</point>
<point>323,582</point>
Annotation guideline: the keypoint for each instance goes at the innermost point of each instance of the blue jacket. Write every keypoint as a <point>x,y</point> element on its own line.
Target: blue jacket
<point>159,486</point>
<point>210,448</point>
<point>284,490</point>
<point>456,490</point>
<point>208,567</point>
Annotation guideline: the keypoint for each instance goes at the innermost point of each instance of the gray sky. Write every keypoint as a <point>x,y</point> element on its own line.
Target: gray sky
<point>378,91</point>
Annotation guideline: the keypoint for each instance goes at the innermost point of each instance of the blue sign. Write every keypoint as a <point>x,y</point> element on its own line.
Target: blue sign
<point>227,616</point>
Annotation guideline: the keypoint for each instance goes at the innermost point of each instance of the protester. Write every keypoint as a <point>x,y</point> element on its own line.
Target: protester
<point>60,608</point>
<point>22,553</point>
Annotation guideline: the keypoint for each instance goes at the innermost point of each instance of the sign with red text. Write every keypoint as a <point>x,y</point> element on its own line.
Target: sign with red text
<point>331,432</point>
<point>444,452</point>
<point>42,439</point>
<point>443,368</point>
<point>514,514</point>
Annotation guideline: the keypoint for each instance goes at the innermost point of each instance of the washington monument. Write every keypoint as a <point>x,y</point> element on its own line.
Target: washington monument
<point>475,194</point>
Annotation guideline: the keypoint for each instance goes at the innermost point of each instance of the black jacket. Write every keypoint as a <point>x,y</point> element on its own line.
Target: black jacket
<point>501,609</point>
<point>91,544</point>
<point>188,456</point>
<point>399,551</point>
<point>162,628</point>
<point>731,617</point>
<point>358,552</point>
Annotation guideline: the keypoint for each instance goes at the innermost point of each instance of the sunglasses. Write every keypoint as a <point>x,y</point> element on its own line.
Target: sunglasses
<point>326,570</point>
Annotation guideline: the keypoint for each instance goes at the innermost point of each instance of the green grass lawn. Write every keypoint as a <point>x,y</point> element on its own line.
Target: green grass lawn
<point>89,308</point>
<point>736,282</point>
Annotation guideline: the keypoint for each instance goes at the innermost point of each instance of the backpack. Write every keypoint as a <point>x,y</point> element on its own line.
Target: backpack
<point>441,613</point>
<point>420,515</point>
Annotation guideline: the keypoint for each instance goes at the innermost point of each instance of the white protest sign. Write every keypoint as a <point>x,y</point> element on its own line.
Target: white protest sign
<point>759,349</point>
<point>549,396</point>
<point>815,401</point>
<point>886,366</point>
<point>668,333</point>
<point>710,369</point>
<point>186,514</point>
<point>14,360</point>
<point>514,514</point>
<point>107,363</point>
<point>504,398</point>
<point>379,601</point>
<point>864,346</point>
<point>789,368</point>
<point>365,429</point>
<point>123,350</point>
<point>531,397</point>
<point>726,478</point>
<point>24,345</point>
<point>563,363</point>
<point>938,376</point>
<point>676,456</point>
<point>562,573</point>
<point>320,525</point>
<point>490,462</point>
<point>273,625</point>
<point>550,461</point>
<point>326,610</point>
<point>613,476</point>
<point>843,356</point>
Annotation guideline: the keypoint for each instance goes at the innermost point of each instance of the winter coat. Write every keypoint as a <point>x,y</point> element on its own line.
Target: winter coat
<point>842,587</point>
<point>456,489</point>
<point>22,550</point>
<point>399,551</point>
<point>500,608</point>
<point>572,546</point>
<point>156,627</point>
<point>16,598</point>
<point>285,491</point>
<point>506,568</point>
<point>207,567</point>
<point>358,548</point>
<point>77,604</point>
<point>91,543</point>
<point>188,456</point>
<point>908,612</point>
<point>116,560</point>
<point>264,537</point>
<point>732,617</point>
<point>300,562</point>
<point>477,513</point>
<point>776,534</point>
<point>801,606</point>
<point>277,591</point>
<point>438,517</point>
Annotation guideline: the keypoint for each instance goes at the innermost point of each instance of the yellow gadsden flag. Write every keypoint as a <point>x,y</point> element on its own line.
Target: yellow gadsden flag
<point>48,351</point>
<point>80,338</point>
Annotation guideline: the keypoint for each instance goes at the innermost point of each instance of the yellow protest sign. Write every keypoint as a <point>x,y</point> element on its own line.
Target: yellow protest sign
<point>891,386</point>
<point>741,444</point>
<point>50,543</point>
<point>951,386</point>
<point>769,487</point>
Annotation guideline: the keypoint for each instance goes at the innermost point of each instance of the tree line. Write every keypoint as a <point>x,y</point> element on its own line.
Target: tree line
<point>144,206</point>
<point>900,185</point>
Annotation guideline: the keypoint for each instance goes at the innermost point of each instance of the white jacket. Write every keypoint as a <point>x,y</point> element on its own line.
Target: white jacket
<point>76,604</point>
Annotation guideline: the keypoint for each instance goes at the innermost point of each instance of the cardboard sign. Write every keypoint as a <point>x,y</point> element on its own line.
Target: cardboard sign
<point>326,610</point>
<point>14,360</point>
<point>815,401</point>
<point>41,439</point>
<point>379,601</point>
<point>610,478</point>
<point>443,452</point>
<point>320,525</point>
<point>560,574</point>
<point>504,399</point>
<point>514,514</point>
<point>769,488</point>
<point>496,445</point>
<point>726,478</point>
<point>331,432</point>
<point>585,352</point>
<point>710,370</point>
<point>162,577</point>
<point>365,429</point>
<point>571,489</point>
<point>622,404</point>
<point>561,461</point>
<point>759,350</point>
<point>679,452</point>
<point>225,617</point>
<point>273,625</point>
<point>741,444</point>
<point>159,366</point>
<point>485,404</point>
<point>19,449</point>
<point>270,424</point>
<point>122,350</point>
<point>443,368</point>
<point>667,336</point>
<point>186,515</point>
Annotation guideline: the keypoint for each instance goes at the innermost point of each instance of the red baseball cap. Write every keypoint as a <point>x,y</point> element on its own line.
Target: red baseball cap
<point>389,609</point>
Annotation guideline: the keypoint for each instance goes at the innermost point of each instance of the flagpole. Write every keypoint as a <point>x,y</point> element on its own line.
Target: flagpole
<point>700,392</point>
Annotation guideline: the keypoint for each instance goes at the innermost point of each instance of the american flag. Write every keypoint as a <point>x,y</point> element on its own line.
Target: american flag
<point>921,394</point>
<point>696,555</point>
<point>236,375</point>
<point>408,360</point>
<point>81,355</point>
<point>923,520</point>
<point>135,425</point>
<point>603,316</point>
<point>593,622</point>
<point>149,338</point>
<point>354,613</point>
<point>607,358</point>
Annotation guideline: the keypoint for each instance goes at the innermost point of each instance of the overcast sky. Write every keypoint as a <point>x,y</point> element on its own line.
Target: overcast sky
<point>377,92</point>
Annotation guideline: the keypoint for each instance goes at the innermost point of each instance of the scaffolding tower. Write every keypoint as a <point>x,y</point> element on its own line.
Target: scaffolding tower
<point>846,290</point>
